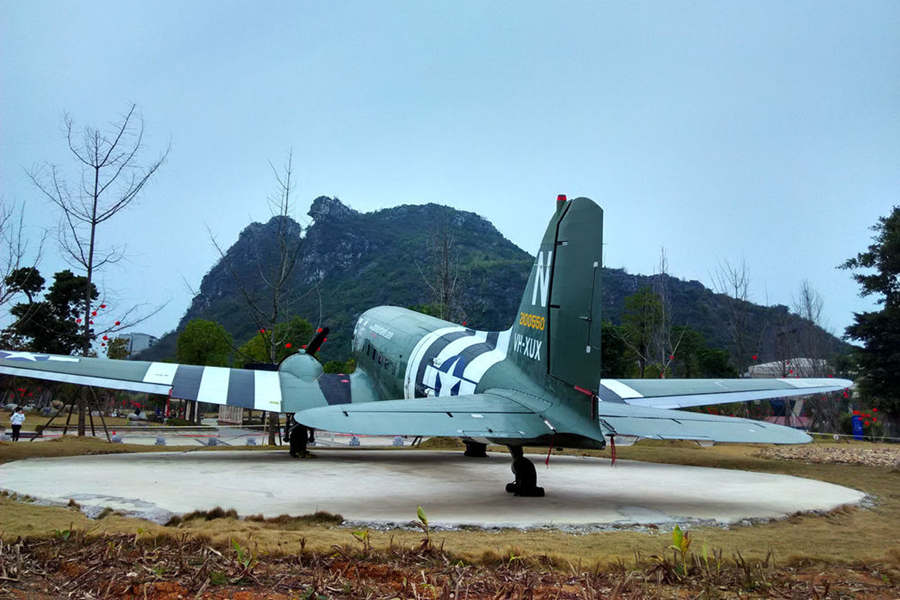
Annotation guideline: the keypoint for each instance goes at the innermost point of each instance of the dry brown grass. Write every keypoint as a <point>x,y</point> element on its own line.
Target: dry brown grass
<point>843,536</point>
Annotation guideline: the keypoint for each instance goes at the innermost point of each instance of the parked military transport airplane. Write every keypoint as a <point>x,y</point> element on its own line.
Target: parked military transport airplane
<point>537,383</point>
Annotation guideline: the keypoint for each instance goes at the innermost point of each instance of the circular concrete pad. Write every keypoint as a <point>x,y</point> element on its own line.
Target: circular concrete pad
<point>386,487</point>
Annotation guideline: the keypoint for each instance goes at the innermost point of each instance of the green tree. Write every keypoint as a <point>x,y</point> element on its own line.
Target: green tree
<point>203,343</point>
<point>117,348</point>
<point>877,270</point>
<point>292,334</point>
<point>642,318</point>
<point>51,324</point>
<point>336,366</point>
<point>618,359</point>
<point>26,280</point>
<point>433,309</point>
<point>695,359</point>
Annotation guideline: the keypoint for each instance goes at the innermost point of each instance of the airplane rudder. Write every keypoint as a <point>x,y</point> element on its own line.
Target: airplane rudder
<point>528,342</point>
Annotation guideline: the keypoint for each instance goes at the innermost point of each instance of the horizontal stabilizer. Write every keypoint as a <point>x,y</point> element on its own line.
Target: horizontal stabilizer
<point>663,424</point>
<point>476,415</point>
<point>681,393</point>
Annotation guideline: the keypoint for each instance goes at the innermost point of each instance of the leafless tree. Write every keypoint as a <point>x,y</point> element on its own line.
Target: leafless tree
<point>733,280</point>
<point>110,178</point>
<point>812,352</point>
<point>664,343</point>
<point>269,303</point>
<point>442,275</point>
<point>16,244</point>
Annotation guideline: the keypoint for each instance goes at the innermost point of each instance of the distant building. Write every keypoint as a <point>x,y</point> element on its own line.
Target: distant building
<point>138,342</point>
<point>789,367</point>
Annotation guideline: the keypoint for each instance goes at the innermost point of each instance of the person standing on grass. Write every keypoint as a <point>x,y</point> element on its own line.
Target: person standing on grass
<point>16,419</point>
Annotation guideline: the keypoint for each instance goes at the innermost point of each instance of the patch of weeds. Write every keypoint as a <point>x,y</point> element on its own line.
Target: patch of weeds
<point>207,515</point>
<point>422,524</point>
<point>681,544</point>
<point>218,578</point>
<point>289,522</point>
<point>362,536</point>
<point>174,521</point>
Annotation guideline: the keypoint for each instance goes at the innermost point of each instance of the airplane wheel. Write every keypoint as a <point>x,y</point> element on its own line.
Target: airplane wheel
<point>526,479</point>
<point>475,450</point>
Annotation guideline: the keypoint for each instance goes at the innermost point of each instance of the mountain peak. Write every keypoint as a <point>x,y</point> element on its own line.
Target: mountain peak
<point>325,207</point>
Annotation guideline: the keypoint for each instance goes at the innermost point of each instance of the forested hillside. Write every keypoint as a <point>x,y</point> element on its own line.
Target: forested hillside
<point>350,261</point>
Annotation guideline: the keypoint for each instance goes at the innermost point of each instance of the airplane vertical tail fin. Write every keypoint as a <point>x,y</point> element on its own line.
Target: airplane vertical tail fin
<point>556,334</point>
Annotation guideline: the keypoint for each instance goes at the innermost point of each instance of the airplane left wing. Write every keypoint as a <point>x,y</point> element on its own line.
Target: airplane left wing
<point>257,390</point>
<point>487,415</point>
<point>681,393</point>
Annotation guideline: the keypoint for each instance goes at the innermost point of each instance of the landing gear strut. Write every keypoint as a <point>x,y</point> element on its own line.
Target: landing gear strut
<point>526,477</point>
<point>298,439</point>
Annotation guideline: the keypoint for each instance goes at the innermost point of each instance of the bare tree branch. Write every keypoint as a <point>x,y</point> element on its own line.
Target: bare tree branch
<point>15,243</point>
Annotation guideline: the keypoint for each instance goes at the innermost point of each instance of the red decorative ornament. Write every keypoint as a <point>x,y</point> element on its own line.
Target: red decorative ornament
<point>104,345</point>
<point>874,410</point>
<point>288,345</point>
<point>105,337</point>
<point>78,320</point>
<point>874,420</point>
<point>855,412</point>
<point>303,346</point>
<point>465,323</point>
<point>262,331</point>
<point>324,340</point>
<point>94,313</point>
<point>91,321</point>
<point>754,357</point>
<point>866,423</point>
<point>319,330</point>
<point>102,306</point>
<point>791,372</point>
<point>671,357</point>
<point>846,395</point>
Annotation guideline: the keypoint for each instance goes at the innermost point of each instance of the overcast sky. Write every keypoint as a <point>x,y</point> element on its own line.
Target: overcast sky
<point>765,131</point>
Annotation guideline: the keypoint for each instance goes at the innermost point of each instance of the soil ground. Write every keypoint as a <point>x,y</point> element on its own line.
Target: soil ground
<point>849,553</point>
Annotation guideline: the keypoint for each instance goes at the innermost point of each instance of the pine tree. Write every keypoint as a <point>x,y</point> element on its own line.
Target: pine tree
<point>879,360</point>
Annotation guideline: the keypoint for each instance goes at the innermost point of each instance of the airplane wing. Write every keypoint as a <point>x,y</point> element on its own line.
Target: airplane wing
<point>257,390</point>
<point>680,393</point>
<point>489,414</point>
<point>506,414</point>
<point>664,424</point>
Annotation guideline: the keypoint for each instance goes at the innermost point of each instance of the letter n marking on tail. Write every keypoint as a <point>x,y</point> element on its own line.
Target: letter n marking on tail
<point>541,279</point>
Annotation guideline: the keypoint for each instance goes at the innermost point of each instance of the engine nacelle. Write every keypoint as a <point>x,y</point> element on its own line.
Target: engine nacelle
<point>301,365</point>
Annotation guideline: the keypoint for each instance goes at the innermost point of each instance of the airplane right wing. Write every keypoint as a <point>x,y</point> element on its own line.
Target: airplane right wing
<point>681,393</point>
